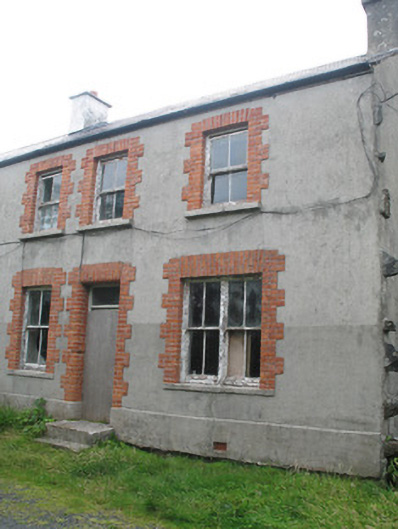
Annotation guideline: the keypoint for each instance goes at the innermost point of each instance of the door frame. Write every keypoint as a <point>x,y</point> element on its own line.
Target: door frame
<point>81,279</point>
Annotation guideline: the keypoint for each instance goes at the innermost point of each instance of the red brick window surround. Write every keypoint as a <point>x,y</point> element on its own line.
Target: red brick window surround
<point>264,263</point>
<point>35,277</point>
<point>77,305</point>
<point>250,118</point>
<point>65,164</point>
<point>133,149</point>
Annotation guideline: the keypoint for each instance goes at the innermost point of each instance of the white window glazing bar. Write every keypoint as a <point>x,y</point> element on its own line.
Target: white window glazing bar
<point>185,335</point>
<point>40,331</point>
<point>203,353</point>
<point>224,339</point>
<point>203,325</point>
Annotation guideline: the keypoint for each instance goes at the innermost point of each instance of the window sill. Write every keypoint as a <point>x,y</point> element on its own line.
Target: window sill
<point>42,234</point>
<point>217,209</point>
<point>202,388</point>
<point>31,373</point>
<point>116,224</point>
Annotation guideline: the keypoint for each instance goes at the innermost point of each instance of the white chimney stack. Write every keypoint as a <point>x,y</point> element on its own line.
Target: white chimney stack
<point>87,110</point>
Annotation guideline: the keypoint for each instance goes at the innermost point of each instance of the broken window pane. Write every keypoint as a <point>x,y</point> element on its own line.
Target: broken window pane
<point>47,184</point>
<point>236,354</point>
<point>253,349</point>
<point>43,347</point>
<point>212,352</point>
<point>253,303</point>
<point>196,305</point>
<point>212,309</point>
<point>45,307</point>
<point>238,148</point>
<point>34,307</point>
<point>33,345</point>
<point>235,303</point>
<point>196,353</point>
<point>56,187</point>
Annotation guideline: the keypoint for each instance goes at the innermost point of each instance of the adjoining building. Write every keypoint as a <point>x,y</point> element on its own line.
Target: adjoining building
<point>217,278</point>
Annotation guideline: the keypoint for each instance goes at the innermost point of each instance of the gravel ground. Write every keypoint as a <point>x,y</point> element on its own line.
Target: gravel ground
<point>18,510</point>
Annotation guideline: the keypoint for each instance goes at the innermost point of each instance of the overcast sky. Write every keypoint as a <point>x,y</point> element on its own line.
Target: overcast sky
<point>143,55</point>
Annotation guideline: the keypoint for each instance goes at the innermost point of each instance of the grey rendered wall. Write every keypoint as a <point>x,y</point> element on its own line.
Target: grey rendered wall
<point>385,92</point>
<point>321,213</point>
<point>327,409</point>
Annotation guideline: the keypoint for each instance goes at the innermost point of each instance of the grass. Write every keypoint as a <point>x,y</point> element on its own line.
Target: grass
<point>8,417</point>
<point>182,492</point>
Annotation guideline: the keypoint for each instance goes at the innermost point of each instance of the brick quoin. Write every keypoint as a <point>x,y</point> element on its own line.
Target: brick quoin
<point>133,149</point>
<point>66,164</point>
<point>255,122</point>
<point>77,305</point>
<point>35,277</point>
<point>267,263</point>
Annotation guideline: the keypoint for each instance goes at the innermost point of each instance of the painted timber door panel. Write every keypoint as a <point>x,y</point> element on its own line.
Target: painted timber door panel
<point>99,364</point>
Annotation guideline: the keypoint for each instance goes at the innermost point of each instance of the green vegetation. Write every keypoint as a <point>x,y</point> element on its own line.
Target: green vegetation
<point>183,492</point>
<point>32,421</point>
<point>392,472</point>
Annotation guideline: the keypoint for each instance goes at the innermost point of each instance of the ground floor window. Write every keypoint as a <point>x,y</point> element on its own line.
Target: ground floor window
<point>37,317</point>
<point>222,330</point>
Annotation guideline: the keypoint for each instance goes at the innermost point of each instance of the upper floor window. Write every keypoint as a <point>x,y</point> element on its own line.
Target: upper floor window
<point>45,200</point>
<point>111,186</point>
<point>49,190</point>
<point>228,167</point>
<point>225,165</point>
<point>37,326</point>
<point>223,331</point>
<point>108,187</point>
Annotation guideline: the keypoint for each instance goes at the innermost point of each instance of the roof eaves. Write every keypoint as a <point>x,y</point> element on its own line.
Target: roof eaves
<point>313,76</point>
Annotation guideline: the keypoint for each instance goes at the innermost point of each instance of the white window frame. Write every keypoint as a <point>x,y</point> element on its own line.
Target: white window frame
<point>98,185</point>
<point>210,174</point>
<point>39,202</point>
<point>27,327</point>
<point>222,378</point>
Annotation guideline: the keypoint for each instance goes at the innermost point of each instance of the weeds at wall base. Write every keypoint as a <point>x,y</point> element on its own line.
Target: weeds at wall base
<point>391,476</point>
<point>30,421</point>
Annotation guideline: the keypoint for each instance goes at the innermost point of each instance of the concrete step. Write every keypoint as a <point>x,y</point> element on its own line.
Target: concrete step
<point>67,445</point>
<point>76,433</point>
